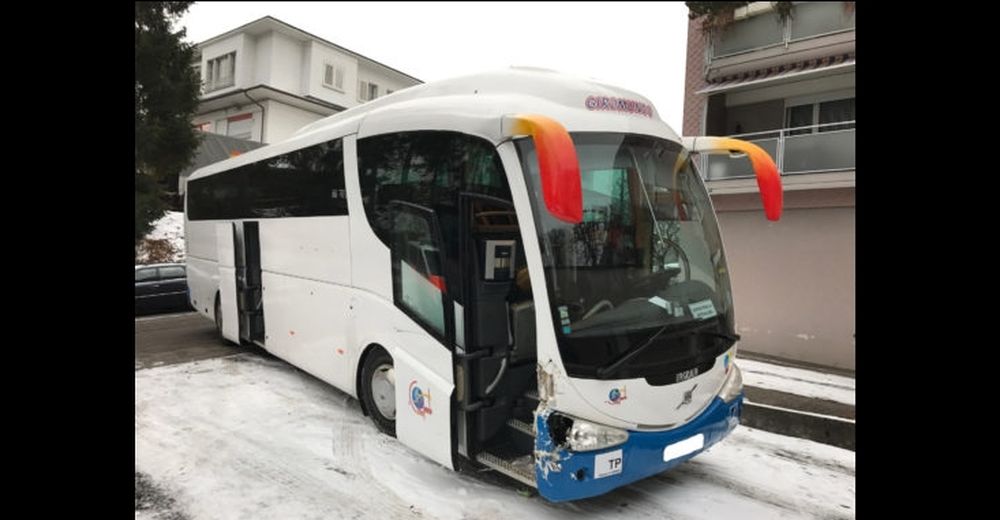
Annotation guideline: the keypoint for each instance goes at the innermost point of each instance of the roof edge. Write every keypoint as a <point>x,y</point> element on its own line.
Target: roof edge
<point>306,34</point>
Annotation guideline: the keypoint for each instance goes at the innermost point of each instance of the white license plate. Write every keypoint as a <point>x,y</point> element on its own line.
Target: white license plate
<point>684,447</point>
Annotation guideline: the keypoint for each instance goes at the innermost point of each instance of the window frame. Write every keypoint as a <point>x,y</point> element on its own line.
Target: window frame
<point>815,116</point>
<point>162,272</point>
<point>213,70</point>
<point>335,69</point>
<point>154,278</point>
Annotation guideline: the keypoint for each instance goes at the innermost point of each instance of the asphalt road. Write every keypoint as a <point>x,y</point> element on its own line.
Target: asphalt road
<point>168,339</point>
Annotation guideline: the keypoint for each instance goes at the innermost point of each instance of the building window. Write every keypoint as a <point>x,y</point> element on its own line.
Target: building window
<point>388,91</point>
<point>333,76</point>
<point>367,91</point>
<point>819,117</point>
<point>220,72</point>
<point>240,127</point>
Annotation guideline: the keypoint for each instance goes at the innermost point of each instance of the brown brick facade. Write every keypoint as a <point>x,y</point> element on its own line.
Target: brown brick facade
<point>694,80</point>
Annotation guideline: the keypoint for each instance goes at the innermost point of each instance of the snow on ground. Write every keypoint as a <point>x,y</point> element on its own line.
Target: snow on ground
<point>170,227</point>
<point>252,437</point>
<point>797,381</point>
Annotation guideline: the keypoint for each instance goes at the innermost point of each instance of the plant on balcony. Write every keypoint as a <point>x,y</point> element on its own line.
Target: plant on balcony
<point>719,15</point>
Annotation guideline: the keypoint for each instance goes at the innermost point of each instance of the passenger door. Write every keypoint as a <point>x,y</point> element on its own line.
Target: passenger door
<point>226,238</point>
<point>423,368</point>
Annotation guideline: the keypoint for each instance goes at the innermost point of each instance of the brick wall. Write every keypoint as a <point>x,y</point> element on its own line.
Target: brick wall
<point>694,80</point>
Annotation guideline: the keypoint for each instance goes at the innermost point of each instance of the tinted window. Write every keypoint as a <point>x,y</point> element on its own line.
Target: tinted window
<point>145,275</point>
<point>429,169</point>
<point>303,183</point>
<point>410,185</point>
<point>171,272</point>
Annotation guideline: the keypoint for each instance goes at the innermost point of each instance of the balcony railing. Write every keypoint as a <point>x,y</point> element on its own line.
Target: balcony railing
<point>806,149</point>
<point>809,20</point>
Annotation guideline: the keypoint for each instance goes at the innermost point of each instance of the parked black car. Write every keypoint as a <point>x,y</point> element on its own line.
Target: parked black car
<point>160,287</point>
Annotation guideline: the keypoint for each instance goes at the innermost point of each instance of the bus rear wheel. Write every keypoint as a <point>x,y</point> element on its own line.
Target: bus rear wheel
<point>378,390</point>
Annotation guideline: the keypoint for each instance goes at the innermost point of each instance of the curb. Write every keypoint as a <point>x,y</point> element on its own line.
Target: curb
<point>827,429</point>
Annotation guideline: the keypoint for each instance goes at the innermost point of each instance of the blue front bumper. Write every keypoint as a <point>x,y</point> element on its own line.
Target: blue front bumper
<point>566,475</point>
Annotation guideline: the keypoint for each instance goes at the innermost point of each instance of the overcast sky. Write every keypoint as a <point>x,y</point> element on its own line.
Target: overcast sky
<point>639,46</point>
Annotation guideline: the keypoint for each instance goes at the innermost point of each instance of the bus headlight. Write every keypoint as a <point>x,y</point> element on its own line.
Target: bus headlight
<point>587,436</point>
<point>733,385</point>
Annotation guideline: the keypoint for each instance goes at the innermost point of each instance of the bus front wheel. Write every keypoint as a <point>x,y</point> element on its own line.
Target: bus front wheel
<point>378,390</point>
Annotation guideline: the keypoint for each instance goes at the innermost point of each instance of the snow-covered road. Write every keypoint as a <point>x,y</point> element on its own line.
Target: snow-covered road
<point>252,437</point>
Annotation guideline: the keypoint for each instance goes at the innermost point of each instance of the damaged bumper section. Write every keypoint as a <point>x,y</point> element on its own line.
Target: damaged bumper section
<point>562,474</point>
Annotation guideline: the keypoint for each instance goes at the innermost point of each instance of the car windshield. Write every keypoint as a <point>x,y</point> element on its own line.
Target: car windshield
<point>646,259</point>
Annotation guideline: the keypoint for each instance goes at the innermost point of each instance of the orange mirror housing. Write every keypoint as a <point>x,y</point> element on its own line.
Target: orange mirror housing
<point>557,163</point>
<point>768,178</point>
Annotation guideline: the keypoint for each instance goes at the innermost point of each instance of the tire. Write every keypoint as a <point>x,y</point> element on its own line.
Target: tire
<point>377,390</point>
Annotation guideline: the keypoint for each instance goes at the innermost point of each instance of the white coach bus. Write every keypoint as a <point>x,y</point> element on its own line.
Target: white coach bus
<point>517,270</point>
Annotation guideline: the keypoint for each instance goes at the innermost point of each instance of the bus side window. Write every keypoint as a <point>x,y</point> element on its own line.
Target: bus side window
<point>426,171</point>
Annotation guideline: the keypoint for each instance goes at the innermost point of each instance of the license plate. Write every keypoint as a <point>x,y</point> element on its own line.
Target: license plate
<point>684,447</point>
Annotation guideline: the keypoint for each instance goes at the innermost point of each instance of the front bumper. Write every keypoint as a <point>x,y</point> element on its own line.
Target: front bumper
<point>562,474</point>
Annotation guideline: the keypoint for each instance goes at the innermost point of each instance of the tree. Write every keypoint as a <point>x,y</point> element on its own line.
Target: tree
<point>166,96</point>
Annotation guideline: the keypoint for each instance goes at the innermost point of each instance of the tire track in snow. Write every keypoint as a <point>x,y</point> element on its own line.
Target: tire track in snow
<point>245,437</point>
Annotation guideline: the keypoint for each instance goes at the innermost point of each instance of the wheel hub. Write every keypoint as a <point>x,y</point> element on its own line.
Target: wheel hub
<point>383,385</point>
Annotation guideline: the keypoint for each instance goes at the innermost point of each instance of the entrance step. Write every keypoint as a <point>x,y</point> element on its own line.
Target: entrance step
<point>521,426</point>
<point>520,468</point>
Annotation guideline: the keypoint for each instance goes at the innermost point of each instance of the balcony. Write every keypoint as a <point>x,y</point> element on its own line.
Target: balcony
<point>809,20</point>
<point>815,30</point>
<point>818,148</point>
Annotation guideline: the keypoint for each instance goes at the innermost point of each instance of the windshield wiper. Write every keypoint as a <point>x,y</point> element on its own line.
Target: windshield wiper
<point>688,331</point>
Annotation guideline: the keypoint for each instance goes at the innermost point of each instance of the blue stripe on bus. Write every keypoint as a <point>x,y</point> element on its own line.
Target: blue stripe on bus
<point>559,477</point>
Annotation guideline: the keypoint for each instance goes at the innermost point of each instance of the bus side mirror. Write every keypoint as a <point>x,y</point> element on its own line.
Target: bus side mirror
<point>558,165</point>
<point>768,178</point>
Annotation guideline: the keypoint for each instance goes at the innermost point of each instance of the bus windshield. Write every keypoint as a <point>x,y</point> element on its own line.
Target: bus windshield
<point>639,288</point>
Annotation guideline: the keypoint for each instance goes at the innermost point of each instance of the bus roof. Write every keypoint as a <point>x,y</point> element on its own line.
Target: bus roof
<point>473,104</point>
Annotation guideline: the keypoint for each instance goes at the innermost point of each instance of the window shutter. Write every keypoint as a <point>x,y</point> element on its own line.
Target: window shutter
<point>339,80</point>
<point>363,90</point>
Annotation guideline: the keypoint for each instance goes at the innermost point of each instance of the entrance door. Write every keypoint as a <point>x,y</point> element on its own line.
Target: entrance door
<point>225,240</point>
<point>249,301</point>
<point>238,250</point>
<point>422,284</point>
<point>496,358</point>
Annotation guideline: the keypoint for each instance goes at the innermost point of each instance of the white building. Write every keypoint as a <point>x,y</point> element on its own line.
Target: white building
<point>266,79</point>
